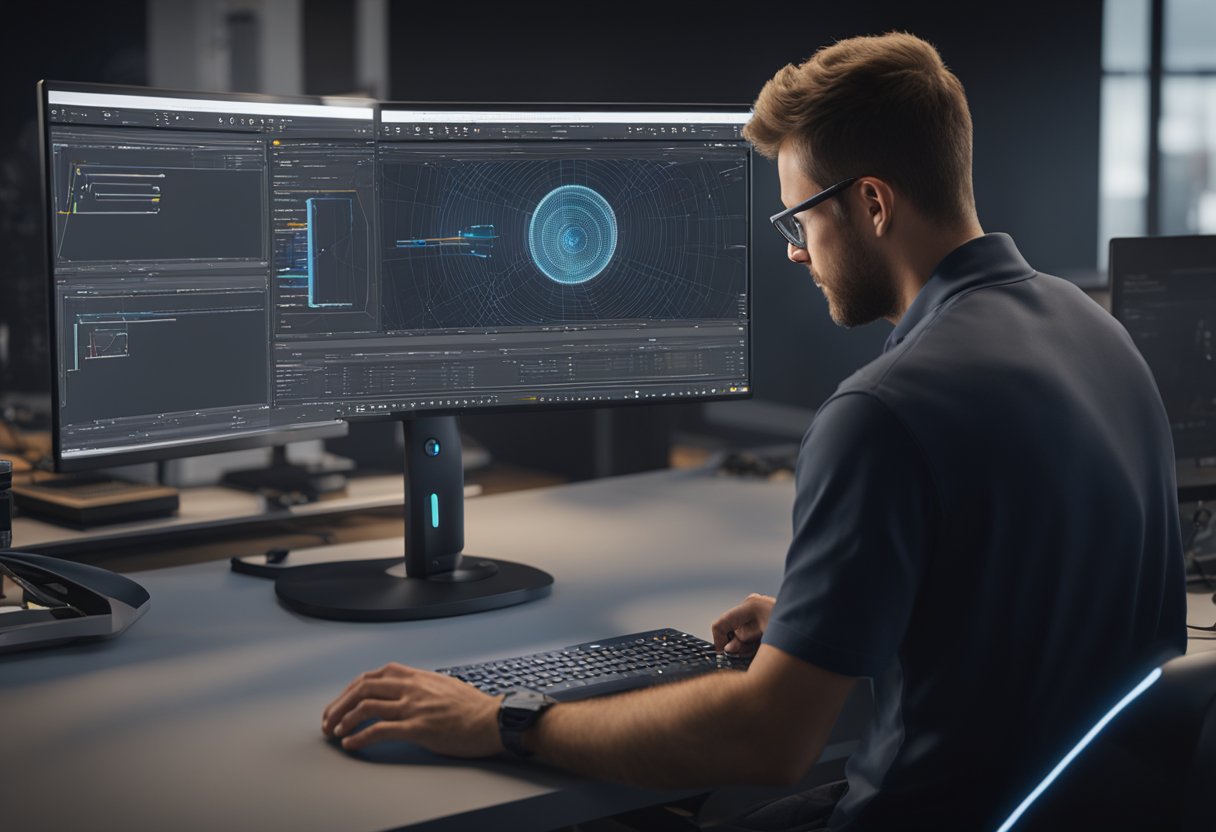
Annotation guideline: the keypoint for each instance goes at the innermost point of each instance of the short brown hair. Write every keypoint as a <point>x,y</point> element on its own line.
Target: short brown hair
<point>883,106</point>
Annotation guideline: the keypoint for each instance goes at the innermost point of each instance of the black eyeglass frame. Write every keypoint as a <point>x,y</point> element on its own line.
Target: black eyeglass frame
<point>790,228</point>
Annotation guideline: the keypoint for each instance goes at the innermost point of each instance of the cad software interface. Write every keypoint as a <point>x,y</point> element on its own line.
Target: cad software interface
<point>225,266</point>
<point>1171,316</point>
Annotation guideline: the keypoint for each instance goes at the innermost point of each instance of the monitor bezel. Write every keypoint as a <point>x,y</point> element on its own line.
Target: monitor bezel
<point>566,107</point>
<point>1131,254</point>
<point>339,426</point>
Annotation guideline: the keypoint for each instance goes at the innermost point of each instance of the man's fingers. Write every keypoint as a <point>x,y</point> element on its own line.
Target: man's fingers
<point>366,687</point>
<point>721,631</point>
<point>378,732</point>
<point>724,628</point>
<point>378,673</point>
<point>349,687</point>
<point>735,623</point>
<point>739,628</point>
<point>741,646</point>
<point>745,649</point>
<point>384,709</point>
<point>748,631</point>
<point>724,631</point>
<point>345,701</point>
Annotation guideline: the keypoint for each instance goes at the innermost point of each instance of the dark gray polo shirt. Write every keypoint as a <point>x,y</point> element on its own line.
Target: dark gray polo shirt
<point>986,525</point>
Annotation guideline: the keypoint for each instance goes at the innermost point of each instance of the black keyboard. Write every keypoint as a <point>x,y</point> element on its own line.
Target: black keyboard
<point>600,667</point>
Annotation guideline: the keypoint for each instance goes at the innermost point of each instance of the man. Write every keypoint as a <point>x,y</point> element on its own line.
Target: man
<point>985,523</point>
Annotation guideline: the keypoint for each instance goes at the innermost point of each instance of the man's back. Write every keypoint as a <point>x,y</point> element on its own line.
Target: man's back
<point>1030,563</point>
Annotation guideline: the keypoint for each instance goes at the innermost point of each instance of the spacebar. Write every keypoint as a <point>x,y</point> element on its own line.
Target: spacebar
<point>586,688</point>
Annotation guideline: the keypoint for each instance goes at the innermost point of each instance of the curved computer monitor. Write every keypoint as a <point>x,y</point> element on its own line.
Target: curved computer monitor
<point>564,255</point>
<point>1163,290</point>
<point>228,270</point>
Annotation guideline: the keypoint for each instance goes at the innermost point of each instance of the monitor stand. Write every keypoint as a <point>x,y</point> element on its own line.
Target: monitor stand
<point>435,580</point>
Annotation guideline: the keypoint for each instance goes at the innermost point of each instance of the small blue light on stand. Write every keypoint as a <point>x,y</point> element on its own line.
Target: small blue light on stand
<point>432,447</point>
<point>434,511</point>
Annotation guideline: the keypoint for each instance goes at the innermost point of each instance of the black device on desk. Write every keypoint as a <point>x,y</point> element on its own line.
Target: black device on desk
<point>230,271</point>
<point>45,601</point>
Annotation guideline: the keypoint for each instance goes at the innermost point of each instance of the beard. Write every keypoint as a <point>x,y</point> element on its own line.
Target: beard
<point>860,289</point>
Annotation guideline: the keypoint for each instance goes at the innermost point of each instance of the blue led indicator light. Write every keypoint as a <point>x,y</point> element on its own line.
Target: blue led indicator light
<point>434,511</point>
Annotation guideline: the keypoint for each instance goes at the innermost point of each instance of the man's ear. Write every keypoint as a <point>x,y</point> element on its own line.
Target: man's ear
<point>878,202</point>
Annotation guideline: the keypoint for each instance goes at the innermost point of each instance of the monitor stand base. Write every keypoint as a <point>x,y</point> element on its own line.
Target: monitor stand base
<point>378,590</point>
<point>435,579</point>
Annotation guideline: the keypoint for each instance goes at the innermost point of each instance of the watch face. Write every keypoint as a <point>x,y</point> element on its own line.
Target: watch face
<point>520,708</point>
<point>523,698</point>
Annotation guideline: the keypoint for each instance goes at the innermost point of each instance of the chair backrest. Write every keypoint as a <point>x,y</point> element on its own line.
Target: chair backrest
<point>1149,763</point>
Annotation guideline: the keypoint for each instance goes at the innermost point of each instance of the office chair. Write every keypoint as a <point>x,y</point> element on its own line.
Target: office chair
<point>1149,763</point>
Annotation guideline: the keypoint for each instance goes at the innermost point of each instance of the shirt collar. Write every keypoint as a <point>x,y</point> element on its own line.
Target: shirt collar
<point>984,261</point>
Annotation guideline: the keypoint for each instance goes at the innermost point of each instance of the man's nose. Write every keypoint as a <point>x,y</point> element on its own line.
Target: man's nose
<point>795,254</point>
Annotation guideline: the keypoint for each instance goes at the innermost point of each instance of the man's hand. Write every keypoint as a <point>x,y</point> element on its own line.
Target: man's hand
<point>738,631</point>
<point>440,713</point>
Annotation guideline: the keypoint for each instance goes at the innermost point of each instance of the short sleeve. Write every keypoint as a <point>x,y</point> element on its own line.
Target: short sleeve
<point>864,516</point>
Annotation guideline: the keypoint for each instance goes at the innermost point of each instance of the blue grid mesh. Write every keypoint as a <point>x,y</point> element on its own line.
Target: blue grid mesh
<point>572,235</point>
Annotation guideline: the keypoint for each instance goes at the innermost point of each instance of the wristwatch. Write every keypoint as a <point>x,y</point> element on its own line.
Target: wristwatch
<point>519,711</point>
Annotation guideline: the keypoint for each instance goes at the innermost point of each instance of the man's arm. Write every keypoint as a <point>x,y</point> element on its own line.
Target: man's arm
<point>767,725</point>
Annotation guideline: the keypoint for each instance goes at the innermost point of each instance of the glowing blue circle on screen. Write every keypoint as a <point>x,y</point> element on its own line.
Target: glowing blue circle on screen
<point>572,235</point>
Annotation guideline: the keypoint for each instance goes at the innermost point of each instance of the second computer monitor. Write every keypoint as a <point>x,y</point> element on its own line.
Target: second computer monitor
<point>1163,290</point>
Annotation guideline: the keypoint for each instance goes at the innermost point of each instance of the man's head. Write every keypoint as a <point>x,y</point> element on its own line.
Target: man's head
<point>887,110</point>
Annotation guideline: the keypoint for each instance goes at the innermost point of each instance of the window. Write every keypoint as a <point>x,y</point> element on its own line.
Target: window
<point>1158,133</point>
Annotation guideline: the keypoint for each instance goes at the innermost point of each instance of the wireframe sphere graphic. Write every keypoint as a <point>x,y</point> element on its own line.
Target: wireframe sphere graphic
<point>572,235</point>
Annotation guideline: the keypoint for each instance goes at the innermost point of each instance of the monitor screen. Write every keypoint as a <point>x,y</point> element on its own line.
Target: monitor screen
<point>1163,290</point>
<point>533,257</point>
<point>229,269</point>
<point>164,224</point>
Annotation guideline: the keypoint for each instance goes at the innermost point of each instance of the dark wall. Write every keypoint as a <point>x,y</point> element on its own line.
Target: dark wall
<point>329,47</point>
<point>61,41</point>
<point>1031,70</point>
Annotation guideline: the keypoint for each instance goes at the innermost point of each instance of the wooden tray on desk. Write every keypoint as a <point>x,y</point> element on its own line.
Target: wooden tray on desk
<point>85,501</point>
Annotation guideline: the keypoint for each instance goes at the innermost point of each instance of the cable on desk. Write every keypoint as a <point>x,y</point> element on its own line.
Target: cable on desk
<point>325,535</point>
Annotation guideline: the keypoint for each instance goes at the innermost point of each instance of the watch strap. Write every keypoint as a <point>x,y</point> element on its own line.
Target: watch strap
<point>519,711</point>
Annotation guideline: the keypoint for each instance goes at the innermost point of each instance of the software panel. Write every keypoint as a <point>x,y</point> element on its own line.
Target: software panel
<point>225,269</point>
<point>1163,290</point>
<point>168,218</point>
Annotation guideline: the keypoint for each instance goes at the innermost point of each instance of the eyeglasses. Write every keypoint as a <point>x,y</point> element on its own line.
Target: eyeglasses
<point>787,223</point>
